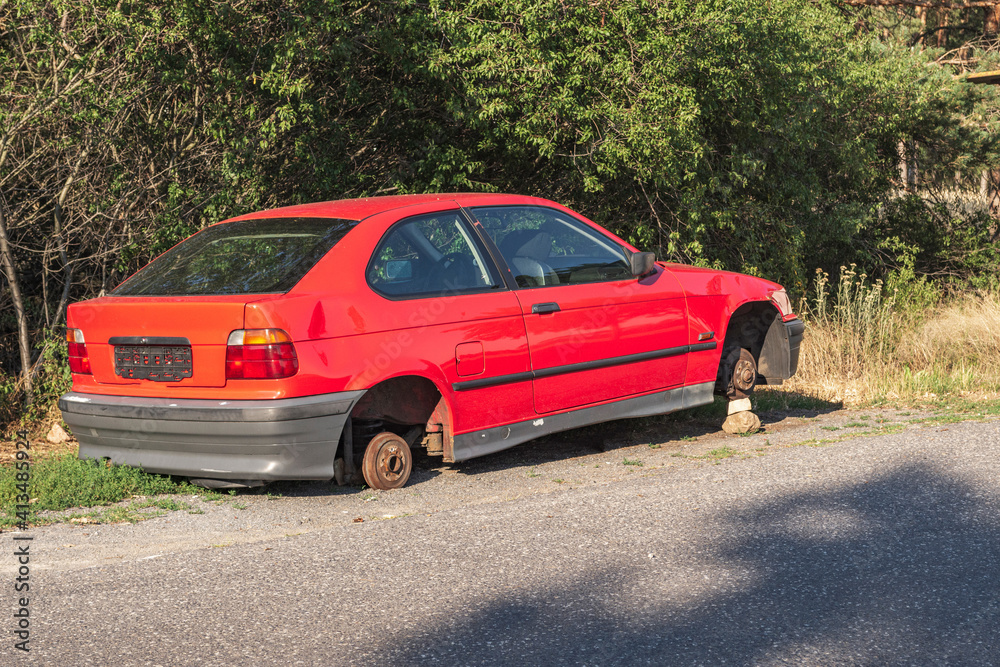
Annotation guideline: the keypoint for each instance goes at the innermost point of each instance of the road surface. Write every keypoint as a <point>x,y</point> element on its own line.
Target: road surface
<point>862,550</point>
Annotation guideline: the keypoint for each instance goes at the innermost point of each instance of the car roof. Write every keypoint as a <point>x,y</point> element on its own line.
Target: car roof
<point>359,209</point>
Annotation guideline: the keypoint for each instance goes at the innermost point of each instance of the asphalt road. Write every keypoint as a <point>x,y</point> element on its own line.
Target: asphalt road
<point>876,550</point>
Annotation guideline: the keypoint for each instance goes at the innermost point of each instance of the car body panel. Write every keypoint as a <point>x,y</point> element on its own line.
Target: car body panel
<point>201,320</point>
<point>503,372</point>
<point>604,321</point>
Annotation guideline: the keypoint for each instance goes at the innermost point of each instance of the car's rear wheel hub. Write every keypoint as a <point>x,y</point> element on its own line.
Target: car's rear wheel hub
<point>387,462</point>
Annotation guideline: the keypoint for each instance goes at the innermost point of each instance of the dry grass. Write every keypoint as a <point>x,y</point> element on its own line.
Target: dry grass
<point>862,345</point>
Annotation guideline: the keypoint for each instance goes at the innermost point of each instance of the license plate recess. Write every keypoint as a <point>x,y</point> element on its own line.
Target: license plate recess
<point>155,359</point>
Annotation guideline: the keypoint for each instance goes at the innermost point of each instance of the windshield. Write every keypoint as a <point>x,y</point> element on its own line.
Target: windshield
<point>249,257</point>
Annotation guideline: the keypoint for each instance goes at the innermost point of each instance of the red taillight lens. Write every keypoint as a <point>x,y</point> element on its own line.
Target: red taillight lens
<point>260,354</point>
<point>79,362</point>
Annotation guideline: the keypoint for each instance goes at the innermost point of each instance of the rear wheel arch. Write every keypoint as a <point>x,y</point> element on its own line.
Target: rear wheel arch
<point>407,399</point>
<point>411,406</point>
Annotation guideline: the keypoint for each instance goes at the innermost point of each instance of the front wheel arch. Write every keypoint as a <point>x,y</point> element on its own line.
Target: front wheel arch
<point>746,331</point>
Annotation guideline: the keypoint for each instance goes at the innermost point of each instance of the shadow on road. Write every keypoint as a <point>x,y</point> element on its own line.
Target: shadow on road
<point>903,569</point>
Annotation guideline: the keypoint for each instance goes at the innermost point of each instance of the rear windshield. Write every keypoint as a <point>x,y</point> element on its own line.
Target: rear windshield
<point>250,257</point>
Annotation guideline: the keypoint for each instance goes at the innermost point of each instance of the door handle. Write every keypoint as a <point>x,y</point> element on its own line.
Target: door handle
<point>542,308</point>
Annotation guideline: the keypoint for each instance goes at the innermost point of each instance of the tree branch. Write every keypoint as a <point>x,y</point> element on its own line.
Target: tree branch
<point>929,4</point>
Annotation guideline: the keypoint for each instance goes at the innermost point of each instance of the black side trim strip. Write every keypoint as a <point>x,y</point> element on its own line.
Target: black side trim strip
<point>584,366</point>
<point>613,361</point>
<point>492,382</point>
<point>148,340</point>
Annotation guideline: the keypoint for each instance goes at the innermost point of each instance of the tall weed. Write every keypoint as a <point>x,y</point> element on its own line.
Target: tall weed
<point>51,378</point>
<point>866,341</point>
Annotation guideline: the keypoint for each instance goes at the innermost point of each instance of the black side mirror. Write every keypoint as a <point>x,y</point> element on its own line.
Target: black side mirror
<point>642,263</point>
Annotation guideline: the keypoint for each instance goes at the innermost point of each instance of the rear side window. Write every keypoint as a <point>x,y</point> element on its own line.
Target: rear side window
<point>250,257</point>
<point>431,255</point>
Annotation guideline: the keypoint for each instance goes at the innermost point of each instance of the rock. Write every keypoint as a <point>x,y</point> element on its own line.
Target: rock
<point>741,405</point>
<point>57,435</point>
<point>741,422</point>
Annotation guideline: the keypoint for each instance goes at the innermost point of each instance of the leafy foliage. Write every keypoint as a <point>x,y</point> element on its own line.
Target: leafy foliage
<point>762,137</point>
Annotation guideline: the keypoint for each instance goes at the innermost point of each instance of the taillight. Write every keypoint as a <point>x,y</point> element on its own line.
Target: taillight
<point>253,354</point>
<point>79,362</point>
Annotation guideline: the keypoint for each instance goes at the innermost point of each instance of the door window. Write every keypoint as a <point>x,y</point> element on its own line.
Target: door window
<point>544,247</point>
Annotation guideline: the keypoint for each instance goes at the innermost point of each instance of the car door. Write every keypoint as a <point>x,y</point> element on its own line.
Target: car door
<point>447,304</point>
<point>595,332</point>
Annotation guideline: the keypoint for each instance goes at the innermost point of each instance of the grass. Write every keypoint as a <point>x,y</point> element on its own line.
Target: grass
<point>714,455</point>
<point>771,399</point>
<point>720,453</point>
<point>869,344</point>
<point>63,481</point>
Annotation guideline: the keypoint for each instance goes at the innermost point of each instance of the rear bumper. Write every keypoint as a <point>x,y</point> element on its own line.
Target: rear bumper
<point>291,438</point>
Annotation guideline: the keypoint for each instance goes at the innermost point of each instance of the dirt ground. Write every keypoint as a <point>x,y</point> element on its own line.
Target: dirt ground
<point>38,436</point>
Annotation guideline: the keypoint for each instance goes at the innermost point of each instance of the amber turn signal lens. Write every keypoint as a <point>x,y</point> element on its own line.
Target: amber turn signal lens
<point>258,337</point>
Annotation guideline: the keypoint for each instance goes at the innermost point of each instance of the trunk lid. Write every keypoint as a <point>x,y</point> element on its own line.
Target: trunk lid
<point>148,338</point>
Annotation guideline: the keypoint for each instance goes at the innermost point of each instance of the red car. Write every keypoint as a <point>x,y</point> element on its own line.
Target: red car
<point>286,343</point>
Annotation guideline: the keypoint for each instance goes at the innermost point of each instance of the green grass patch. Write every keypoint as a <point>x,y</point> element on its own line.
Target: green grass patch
<point>632,462</point>
<point>128,513</point>
<point>968,406</point>
<point>63,481</point>
<point>720,453</point>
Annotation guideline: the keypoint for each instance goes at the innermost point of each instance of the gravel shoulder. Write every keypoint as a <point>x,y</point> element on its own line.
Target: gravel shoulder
<point>573,460</point>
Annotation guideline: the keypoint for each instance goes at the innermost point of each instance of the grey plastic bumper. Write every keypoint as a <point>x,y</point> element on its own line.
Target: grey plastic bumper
<point>779,357</point>
<point>290,438</point>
